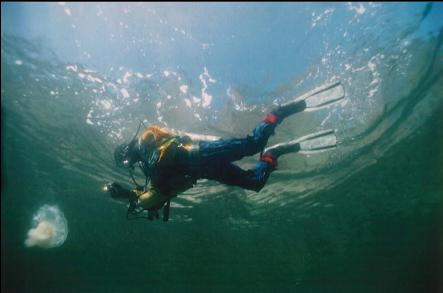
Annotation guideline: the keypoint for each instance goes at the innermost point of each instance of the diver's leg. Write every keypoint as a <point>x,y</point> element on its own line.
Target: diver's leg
<point>235,149</point>
<point>230,174</point>
<point>229,150</point>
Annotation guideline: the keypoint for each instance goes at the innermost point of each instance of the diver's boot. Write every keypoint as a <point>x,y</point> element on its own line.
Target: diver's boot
<point>312,143</point>
<point>271,154</point>
<point>313,100</point>
<point>282,148</point>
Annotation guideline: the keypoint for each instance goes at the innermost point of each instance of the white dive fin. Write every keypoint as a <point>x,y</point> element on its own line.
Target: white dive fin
<point>317,142</point>
<point>321,96</point>
<point>309,144</point>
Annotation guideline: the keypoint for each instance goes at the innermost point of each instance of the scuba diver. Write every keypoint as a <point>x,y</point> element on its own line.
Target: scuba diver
<point>173,161</point>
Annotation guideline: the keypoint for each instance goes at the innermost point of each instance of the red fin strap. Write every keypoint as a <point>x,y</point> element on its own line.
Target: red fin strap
<point>270,118</point>
<point>269,159</point>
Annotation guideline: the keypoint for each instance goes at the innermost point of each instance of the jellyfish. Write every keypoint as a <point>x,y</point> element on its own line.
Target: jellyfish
<point>50,228</point>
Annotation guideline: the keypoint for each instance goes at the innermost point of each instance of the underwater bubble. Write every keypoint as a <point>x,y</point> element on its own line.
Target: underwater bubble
<point>50,228</point>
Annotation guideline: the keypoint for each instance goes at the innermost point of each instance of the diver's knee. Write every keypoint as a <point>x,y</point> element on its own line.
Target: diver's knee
<point>255,145</point>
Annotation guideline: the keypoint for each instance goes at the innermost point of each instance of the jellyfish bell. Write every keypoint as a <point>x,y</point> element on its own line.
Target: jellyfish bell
<point>41,235</point>
<point>50,228</point>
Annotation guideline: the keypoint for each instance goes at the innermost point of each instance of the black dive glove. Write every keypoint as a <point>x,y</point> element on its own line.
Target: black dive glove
<point>118,191</point>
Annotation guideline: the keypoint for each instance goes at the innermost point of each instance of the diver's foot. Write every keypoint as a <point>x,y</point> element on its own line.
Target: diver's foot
<point>317,142</point>
<point>271,154</point>
<point>282,148</point>
<point>289,109</point>
<point>313,100</point>
<point>277,115</point>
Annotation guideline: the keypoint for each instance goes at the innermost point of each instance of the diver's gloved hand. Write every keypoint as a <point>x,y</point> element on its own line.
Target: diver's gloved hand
<point>118,191</point>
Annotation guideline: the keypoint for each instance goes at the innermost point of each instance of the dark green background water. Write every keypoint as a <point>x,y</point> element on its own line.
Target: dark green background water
<point>367,217</point>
